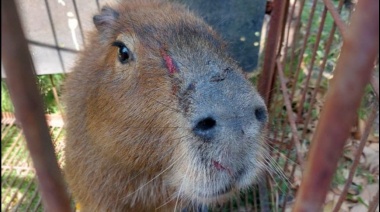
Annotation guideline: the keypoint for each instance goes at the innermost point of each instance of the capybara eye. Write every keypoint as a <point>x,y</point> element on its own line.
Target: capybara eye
<point>124,53</point>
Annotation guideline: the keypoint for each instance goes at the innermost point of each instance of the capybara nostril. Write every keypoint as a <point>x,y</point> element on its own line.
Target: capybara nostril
<point>205,128</point>
<point>261,114</point>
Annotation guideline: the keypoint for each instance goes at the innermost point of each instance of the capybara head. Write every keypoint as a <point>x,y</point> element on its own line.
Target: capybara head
<point>158,115</point>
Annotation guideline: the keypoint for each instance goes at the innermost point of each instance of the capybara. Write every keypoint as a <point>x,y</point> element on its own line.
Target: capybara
<point>158,116</point>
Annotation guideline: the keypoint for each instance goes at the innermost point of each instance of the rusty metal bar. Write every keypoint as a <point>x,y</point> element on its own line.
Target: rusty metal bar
<point>6,129</point>
<point>288,190</point>
<point>33,196</point>
<point>255,198</point>
<point>335,15</point>
<point>38,205</point>
<point>297,23</point>
<point>16,187</point>
<point>291,120</point>
<point>283,28</point>
<point>55,94</point>
<point>295,38</point>
<point>11,148</point>
<point>321,70</point>
<point>9,184</point>
<point>287,156</point>
<point>266,80</point>
<point>272,194</point>
<point>303,49</point>
<point>284,58</point>
<point>24,195</point>
<point>246,201</point>
<point>363,141</point>
<point>29,109</point>
<point>375,85</point>
<point>311,67</point>
<point>374,203</point>
<point>263,196</point>
<point>352,73</point>
<point>287,34</point>
<point>289,111</point>
<point>319,79</point>
<point>16,153</point>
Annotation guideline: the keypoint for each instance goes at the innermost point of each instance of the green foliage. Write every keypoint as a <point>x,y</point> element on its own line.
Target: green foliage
<point>367,101</point>
<point>27,186</point>
<point>6,103</point>
<point>46,85</point>
<point>339,176</point>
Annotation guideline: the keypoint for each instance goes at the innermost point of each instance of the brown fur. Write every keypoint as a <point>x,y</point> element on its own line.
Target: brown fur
<point>127,134</point>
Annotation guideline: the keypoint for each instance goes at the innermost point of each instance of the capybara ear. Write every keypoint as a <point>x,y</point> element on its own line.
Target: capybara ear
<point>105,21</point>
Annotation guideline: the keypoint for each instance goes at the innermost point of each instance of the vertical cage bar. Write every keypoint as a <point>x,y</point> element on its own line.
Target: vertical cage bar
<point>29,109</point>
<point>303,49</point>
<point>374,203</point>
<point>266,81</point>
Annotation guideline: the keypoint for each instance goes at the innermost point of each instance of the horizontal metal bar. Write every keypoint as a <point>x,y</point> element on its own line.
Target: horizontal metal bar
<point>52,46</point>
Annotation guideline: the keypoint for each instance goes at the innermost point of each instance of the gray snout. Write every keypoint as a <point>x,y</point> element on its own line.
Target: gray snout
<point>229,108</point>
<point>207,128</point>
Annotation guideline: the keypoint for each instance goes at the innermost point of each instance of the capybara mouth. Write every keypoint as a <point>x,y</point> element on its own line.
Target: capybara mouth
<point>235,175</point>
<point>220,167</point>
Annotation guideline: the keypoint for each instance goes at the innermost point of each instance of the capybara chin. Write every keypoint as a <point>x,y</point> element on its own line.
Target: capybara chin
<point>158,116</point>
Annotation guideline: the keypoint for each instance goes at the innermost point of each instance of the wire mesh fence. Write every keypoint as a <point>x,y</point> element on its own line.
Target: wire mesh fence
<point>304,42</point>
<point>19,187</point>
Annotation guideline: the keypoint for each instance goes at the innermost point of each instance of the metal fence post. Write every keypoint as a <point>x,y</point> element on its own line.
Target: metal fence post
<point>29,109</point>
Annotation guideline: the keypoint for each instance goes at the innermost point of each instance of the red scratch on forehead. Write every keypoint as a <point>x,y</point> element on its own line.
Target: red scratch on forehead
<point>168,61</point>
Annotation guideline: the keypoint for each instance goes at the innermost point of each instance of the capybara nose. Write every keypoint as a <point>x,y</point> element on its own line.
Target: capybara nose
<point>261,114</point>
<point>229,122</point>
<point>205,128</point>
